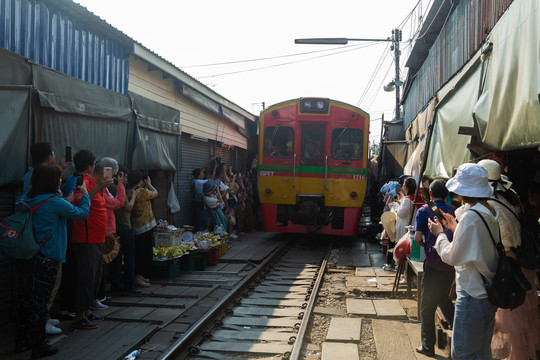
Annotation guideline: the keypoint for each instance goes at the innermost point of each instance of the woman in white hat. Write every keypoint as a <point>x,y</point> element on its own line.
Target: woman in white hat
<point>516,331</point>
<point>474,257</point>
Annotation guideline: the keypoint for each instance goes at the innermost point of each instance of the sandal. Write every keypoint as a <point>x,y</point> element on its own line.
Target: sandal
<point>421,350</point>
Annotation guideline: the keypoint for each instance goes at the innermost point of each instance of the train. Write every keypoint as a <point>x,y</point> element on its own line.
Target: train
<point>312,166</point>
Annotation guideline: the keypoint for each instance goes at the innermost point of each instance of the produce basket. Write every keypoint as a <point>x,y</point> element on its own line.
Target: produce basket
<point>168,237</point>
<point>213,256</point>
<point>187,261</point>
<point>166,269</point>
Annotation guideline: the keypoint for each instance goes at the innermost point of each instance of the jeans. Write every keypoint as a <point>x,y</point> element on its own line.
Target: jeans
<point>127,252</point>
<point>473,328</point>
<point>435,289</point>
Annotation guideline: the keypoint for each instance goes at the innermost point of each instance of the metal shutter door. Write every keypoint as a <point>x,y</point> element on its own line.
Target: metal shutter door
<point>195,154</point>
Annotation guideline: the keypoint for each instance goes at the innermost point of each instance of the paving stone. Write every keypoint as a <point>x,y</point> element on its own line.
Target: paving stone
<point>339,351</point>
<point>361,307</point>
<point>389,308</point>
<point>362,271</point>
<point>344,329</point>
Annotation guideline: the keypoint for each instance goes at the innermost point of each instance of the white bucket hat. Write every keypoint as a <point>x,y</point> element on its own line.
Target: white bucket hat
<point>471,180</point>
<point>499,182</point>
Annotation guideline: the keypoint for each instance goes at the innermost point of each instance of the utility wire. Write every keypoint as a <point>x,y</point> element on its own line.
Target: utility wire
<point>286,63</point>
<point>271,57</point>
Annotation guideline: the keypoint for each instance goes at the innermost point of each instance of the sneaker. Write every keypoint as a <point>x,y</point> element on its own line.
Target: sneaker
<point>105,299</point>
<point>97,305</point>
<point>388,268</point>
<point>86,324</point>
<point>52,330</point>
<point>53,322</point>
<point>43,350</point>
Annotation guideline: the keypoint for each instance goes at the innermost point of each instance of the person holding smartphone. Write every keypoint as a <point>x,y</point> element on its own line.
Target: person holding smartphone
<point>143,222</point>
<point>438,276</point>
<point>87,239</point>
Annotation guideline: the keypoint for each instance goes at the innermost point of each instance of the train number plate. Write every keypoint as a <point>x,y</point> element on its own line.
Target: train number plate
<point>266,173</point>
<point>359,177</point>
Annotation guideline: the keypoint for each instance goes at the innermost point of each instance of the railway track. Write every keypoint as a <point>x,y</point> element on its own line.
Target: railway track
<point>264,315</point>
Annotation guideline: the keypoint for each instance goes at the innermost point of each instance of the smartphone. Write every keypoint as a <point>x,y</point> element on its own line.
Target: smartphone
<point>67,156</point>
<point>80,178</point>
<point>437,212</point>
<point>107,172</point>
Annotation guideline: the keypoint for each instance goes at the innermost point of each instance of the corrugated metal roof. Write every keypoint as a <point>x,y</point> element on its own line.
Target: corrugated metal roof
<point>47,33</point>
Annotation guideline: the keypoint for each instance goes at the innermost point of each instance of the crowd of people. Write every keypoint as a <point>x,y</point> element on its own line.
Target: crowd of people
<point>224,200</point>
<point>454,229</point>
<point>99,200</point>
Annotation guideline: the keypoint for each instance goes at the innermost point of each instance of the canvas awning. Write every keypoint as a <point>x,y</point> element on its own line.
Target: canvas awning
<point>507,114</point>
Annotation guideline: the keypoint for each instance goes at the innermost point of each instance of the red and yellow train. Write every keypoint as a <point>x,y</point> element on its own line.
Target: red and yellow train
<point>312,166</point>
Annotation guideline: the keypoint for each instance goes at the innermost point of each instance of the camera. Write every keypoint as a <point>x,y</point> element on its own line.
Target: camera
<point>218,160</point>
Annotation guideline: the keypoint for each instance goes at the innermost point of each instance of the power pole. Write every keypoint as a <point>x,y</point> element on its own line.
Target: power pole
<point>396,38</point>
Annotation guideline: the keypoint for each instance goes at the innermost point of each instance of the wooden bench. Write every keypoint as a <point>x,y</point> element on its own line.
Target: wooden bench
<point>416,267</point>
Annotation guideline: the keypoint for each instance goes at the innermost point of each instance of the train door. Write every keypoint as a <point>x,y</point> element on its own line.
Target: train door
<point>312,159</point>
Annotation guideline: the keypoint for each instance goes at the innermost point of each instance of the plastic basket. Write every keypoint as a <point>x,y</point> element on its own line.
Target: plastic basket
<point>187,261</point>
<point>200,259</point>
<point>166,269</point>
<point>213,256</point>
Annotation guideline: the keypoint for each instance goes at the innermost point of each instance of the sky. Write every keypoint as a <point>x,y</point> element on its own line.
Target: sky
<point>255,39</point>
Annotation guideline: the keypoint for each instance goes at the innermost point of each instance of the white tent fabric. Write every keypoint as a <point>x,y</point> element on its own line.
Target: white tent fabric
<point>508,111</point>
<point>447,149</point>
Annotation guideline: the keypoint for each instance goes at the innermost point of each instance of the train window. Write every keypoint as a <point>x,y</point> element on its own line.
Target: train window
<point>347,143</point>
<point>278,141</point>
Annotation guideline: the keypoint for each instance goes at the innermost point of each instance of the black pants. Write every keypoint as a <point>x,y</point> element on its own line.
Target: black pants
<point>435,289</point>
<point>87,259</point>
<point>143,253</point>
<point>36,280</point>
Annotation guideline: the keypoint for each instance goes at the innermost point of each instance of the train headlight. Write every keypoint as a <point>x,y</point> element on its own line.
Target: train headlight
<point>268,191</point>
<point>307,104</point>
<point>320,105</point>
<point>354,195</point>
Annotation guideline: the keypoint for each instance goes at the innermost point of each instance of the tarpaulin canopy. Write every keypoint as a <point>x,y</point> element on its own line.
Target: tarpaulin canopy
<point>157,135</point>
<point>83,115</point>
<point>46,105</point>
<point>417,134</point>
<point>508,112</point>
<point>448,149</point>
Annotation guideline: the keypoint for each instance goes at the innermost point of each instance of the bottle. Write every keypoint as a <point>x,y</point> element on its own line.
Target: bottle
<point>133,355</point>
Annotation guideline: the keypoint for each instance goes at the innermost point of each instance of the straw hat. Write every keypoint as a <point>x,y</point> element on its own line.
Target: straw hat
<point>388,221</point>
<point>499,182</point>
<point>471,180</point>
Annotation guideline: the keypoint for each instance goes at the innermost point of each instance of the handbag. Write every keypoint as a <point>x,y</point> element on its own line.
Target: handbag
<point>509,286</point>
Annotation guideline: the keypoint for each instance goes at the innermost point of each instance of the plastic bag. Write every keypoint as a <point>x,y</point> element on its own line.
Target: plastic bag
<point>172,201</point>
<point>403,248</point>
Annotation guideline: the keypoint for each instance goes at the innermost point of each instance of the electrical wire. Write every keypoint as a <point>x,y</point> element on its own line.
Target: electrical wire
<point>270,57</point>
<point>286,63</point>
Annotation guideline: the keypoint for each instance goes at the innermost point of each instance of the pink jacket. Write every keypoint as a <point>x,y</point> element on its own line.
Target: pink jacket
<point>112,203</point>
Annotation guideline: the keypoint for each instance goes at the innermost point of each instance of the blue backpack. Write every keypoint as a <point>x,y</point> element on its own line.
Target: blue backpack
<point>17,233</point>
<point>432,257</point>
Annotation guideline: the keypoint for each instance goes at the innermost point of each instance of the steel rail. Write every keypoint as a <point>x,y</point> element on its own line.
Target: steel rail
<point>210,315</point>
<point>295,353</point>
